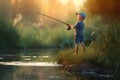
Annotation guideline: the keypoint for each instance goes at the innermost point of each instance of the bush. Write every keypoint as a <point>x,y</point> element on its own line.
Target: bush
<point>9,38</point>
<point>45,37</point>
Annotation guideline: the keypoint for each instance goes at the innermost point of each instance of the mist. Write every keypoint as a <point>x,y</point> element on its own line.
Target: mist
<point>28,9</point>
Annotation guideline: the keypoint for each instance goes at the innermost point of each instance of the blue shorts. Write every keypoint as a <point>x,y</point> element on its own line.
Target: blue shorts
<point>79,39</point>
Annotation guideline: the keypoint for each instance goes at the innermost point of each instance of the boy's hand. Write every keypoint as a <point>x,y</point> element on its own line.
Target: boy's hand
<point>68,27</point>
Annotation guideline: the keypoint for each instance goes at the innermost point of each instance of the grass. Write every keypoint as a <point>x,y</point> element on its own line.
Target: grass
<point>67,56</point>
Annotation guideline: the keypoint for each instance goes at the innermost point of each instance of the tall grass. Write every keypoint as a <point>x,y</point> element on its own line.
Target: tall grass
<point>108,45</point>
<point>67,56</point>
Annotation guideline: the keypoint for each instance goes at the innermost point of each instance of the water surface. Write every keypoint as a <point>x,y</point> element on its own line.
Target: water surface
<point>36,66</point>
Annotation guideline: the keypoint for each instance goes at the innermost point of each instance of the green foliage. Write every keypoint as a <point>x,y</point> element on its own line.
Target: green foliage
<point>45,37</point>
<point>108,44</point>
<point>67,56</point>
<point>9,38</point>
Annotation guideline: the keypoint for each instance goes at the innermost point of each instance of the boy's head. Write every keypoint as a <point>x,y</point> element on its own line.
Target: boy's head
<point>81,16</point>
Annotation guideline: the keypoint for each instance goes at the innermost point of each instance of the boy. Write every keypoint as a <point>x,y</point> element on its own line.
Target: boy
<point>78,31</point>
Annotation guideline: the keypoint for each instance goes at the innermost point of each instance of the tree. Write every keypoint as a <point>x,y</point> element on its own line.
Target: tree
<point>105,8</point>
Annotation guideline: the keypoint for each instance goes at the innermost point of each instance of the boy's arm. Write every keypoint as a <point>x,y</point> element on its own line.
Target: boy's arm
<point>71,26</point>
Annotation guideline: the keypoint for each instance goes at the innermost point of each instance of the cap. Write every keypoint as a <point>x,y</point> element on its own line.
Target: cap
<point>82,14</point>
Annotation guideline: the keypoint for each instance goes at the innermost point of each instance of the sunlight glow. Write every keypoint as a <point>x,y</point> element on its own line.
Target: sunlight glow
<point>53,8</point>
<point>14,1</point>
<point>77,3</point>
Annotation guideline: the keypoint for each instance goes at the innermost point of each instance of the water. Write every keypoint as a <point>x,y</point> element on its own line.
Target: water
<point>36,66</point>
<point>33,66</point>
<point>31,73</point>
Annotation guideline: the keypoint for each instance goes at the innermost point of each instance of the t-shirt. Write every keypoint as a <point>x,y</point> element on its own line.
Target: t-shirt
<point>79,27</point>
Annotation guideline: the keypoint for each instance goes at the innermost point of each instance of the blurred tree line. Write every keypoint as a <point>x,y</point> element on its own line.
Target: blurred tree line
<point>107,9</point>
<point>10,8</point>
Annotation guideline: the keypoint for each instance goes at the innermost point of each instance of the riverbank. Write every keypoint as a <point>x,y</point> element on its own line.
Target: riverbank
<point>88,64</point>
<point>89,70</point>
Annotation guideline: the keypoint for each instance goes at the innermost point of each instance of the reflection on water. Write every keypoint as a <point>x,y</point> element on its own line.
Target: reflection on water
<point>18,72</point>
<point>33,73</point>
<point>32,63</point>
<point>37,73</point>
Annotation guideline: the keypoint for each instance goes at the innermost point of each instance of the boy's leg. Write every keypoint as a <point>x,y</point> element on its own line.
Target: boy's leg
<point>83,46</point>
<point>76,49</point>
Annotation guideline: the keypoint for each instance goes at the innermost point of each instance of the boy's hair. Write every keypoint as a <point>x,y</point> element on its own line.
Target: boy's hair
<point>82,14</point>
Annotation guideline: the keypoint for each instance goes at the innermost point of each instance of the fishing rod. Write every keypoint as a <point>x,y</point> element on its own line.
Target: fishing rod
<point>68,27</point>
<point>52,18</point>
